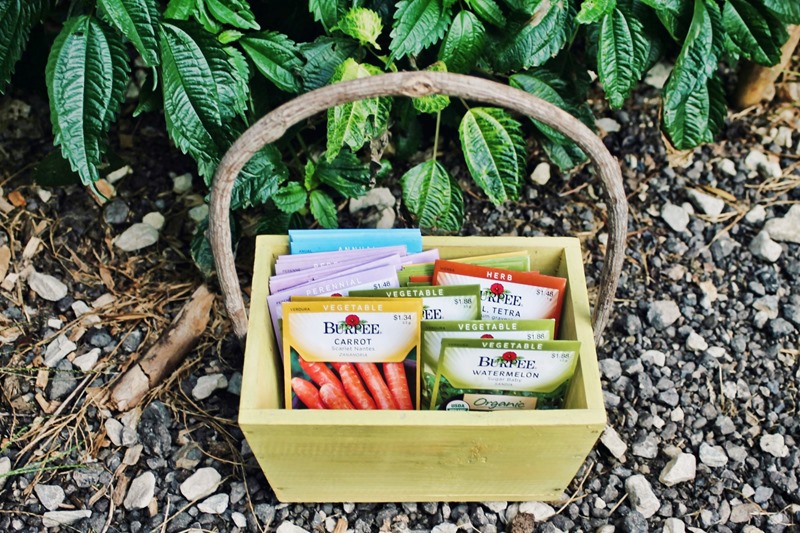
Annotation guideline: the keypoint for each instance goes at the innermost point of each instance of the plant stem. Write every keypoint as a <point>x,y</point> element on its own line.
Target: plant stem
<point>305,148</point>
<point>436,135</point>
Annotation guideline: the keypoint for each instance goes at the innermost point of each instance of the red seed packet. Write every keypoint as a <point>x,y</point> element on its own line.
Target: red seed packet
<point>507,294</point>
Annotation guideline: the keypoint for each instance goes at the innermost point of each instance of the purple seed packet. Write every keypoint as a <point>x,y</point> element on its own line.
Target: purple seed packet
<point>428,256</point>
<point>293,263</point>
<point>377,278</point>
<point>281,282</point>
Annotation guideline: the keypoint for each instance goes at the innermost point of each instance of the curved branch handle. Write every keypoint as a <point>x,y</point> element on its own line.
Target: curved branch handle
<point>272,126</point>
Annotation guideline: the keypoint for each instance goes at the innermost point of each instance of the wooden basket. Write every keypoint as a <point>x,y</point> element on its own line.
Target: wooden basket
<point>373,456</point>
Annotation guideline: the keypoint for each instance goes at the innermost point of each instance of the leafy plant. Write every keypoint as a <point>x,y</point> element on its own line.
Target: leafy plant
<point>216,65</point>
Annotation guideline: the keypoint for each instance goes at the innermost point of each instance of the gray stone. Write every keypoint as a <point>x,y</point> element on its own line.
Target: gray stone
<point>136,237</point>
<point>658,75</point>
<point>754,160</point>
<point>641,495</point>
<point>742,512</point>
<point>202,483</point>
<point>647,448</point>
<point>50,496</point>
<point>132,455</point>
<point>114,431</point>
<point>288,527</point>
<point>141,492</point>
<point>154,219</point>
<point>787,228</point>
<point>541,511</point>
<point>64,518</point>
<point>612,441</point>
<point>696,343</point>
<point>609,125</point>
<point>675,216</point>
<point>182,184</point>
<point>239,520</point>
<point>663,313</point>
<point>199,213</point>
<point>132,341</point>
<point>610,368</point>
<point>46,286</point>
<point>58,350</point>
<point>216,504</point>
<point>64,380</point>
<point>674,525</point>
<point>763,494</point>
<point>763,247</point>
<point>541,174</point>
<point>756,215</point>
<point>655,357</point>
<point>380,197</point>
<point>445,527</point>
<point>681,468</point>
<point>5,468</point>
<point>115,212</point>
<point>499,507</point>
<point>206,385</point>
<point>235,384</point>
<point>705,203</point>
<point>726,166</point>
<point>774,445</point>
<point>713,456</point>
<point>87,361</point>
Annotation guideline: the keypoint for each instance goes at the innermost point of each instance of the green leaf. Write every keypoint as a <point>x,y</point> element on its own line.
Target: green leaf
<point>87,71</point>
<point>361,24</point>
<point>229,36</point>
<point>426,192</point>
<point>565,156</point>
<point>138,21</point>
<point>417,25</point>
<point>202,16</point>
<point>494,150</point>
<point>489,11</point>
<point>594,10</point>
<point>200,248</point>
<point>694,104</point>
<point>323,209</point>
<point>276,57</point>
<point>322,57</point>
<point>326,11</point>
<point>621,55</point>
<point>150,97</point>
<point>756,34</point>
<point>355,123</point>
<point>786,10</point>
<point>16,19</point>
<point>537,39</point>
<point>463,43</point>
<point>675,15</point>
<point>453,219</point>
<point>290,198</point>
<point>180,9</point>
<point>240,75</point>
<point>346,174</point>
<point>191,98</point>
<point>544,86</point>
<point>435,102</point>
<point>235,13</point>
<point>259,179</point>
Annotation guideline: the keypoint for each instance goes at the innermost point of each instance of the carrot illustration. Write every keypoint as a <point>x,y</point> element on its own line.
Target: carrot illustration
<point>334,398</point>
<point>376,385</point>
<point>308,393</point>
<point>353,387</point>
<point>320,374</point>
<point>398,384</point>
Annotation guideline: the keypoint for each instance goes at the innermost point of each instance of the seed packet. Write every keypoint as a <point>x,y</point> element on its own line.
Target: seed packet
<point>519,261</point>
<point>493,374</point>
<point>456,302</point>
<point>285,264</point>
<point>506,294</point>
<point>434,332</point>
<point>377,278</point>
<point>352,353</point>
<point>308,241</point>
<point>282,282</point>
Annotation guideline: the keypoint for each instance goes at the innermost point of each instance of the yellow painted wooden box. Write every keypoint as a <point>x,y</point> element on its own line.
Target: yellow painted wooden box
<point>375,456</point>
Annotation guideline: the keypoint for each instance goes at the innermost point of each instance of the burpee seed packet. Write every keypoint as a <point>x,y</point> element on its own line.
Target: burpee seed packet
<point>455,302</point>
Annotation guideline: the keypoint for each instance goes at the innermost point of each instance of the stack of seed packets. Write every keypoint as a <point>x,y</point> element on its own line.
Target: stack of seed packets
<point>330,240</point>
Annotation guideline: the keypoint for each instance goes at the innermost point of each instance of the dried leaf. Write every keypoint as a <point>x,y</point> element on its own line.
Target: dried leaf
<point>16,199</point>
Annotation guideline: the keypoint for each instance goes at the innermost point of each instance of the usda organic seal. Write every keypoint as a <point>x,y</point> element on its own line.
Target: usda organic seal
<point>457,405</point>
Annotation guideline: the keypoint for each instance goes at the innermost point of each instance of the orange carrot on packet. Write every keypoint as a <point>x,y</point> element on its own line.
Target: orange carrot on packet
<point>376,385</point>
<point>398,385</point>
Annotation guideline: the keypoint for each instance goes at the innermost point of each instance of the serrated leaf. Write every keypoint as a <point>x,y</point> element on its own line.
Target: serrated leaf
<point>346,174</point>
<point>229,36</point>
<point>594,10</point>
<point>693,100</point>
<point>537,39</point>
<point>426,192</point>
<point>191,98</point>
<point>16,19</point>
<point>290,198</point>
<point>322,57</point>
<point>310,180</point>
<point>355,123</point>
<point>201,251</point>
<point>138,21</point>
<point>675,15</point>
<point>494,151</point>
<point>489,11</point>
<point>179,9</point>
<point>417,25</point>
<point>463,43</point>
<point>276,57</point>
<point>326,12</point>
<point>435,102</point>
<point>86,75</point>
<point>150,97</point>
<point>235,13</point>
<point>786,10</point>
<point>204,18</point>
<point>755,32</point>
<point>453,219</point>
<point>323,209</point>
<point>565,156</point>
<point>259,179</point>
<point>622,55</point>
<point>543,85</point>
<point>362,24</point>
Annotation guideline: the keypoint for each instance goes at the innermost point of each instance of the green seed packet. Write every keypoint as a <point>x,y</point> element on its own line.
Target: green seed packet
<point>435,331</point>
<point>494,374</point>
<point>519,261</point>
<point>455,302</point>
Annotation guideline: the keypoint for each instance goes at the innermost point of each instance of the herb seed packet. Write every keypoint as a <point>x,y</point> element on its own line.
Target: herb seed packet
<point>507,294</point>
<point>519,261</point>
<point>493,374</point>
<point>456,302</point>
<point>434,332</point>
<point>353,353</point>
